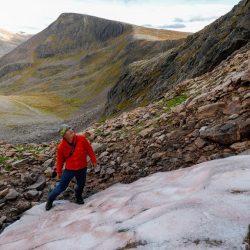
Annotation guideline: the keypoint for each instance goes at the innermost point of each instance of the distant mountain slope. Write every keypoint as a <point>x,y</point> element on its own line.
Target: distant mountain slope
<point>200,53</point>
<point>9,41</point>
<point>68,68</point>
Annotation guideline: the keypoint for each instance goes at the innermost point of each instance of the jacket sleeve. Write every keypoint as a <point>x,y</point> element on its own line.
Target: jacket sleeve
<point>59,160</point>
<point>90,150</point>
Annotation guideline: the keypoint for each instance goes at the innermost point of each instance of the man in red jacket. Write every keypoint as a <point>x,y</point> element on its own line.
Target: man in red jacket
<point>71,151</point>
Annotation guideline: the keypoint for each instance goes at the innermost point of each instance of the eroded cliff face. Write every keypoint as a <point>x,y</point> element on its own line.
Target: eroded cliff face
<point>200,53</point>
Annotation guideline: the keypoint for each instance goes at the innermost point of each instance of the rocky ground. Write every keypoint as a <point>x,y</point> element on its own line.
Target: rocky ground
<point>200,119</point>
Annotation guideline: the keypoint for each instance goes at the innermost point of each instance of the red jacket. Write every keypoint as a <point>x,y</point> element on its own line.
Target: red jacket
<point>78,159</point>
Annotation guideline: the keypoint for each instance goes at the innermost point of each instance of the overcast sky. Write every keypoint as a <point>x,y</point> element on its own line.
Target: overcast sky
<point>32,16</point>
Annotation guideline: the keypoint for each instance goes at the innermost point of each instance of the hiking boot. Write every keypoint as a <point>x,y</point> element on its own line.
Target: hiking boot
<point>48,205</point>
<point>80,201</point>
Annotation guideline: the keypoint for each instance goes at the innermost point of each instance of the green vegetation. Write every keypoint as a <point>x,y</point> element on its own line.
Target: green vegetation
<point>8,167</point>
<point>3,159</point>
<point>64,94</point>
<point>22,148</point>
<point>174,102</point>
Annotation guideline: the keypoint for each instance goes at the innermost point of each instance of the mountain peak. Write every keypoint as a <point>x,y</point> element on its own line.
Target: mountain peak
<point>66,15</point>
<point>83,30</point>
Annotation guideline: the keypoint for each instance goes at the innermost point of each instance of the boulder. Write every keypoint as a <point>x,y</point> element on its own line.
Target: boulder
<point>158,155</point>
<point>12,194</point>
<point>240,146</point>
<point>32,194</point>
<point>146,132</point>
<point>48,172</point>
<point>20,163</point>
<point>210,110</point>
<point>110,171</point>
<point>48,163</point>
<point>28,178</point>
<point>22,205</point>
<point>225,134</point>
<point>40,184</point>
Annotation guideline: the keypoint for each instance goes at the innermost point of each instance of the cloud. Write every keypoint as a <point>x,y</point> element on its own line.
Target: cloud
<point>173,26</point>
<point>179,20</point>
<point>192,14</point>
<point>200,18</point>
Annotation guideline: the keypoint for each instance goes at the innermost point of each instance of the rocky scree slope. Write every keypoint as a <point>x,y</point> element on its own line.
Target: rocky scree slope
<point>200,119</point>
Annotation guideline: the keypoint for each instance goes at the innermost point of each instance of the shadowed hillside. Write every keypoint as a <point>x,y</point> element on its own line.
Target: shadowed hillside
<point>200,53</point>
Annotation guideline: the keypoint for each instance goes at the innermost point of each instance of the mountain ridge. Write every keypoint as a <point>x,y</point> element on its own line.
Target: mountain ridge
<point>200,53</point>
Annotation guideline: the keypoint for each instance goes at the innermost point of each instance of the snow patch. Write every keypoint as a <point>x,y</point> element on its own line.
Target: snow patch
<point>202,207</point>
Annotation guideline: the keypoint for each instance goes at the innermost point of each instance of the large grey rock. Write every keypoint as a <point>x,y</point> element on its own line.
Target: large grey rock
<point>20,163</point>
<point>28,178</point>
<point>224,134</point>
<point>97,146</point>
<point>146,132</point>
<point>48,163</point>
<point>12,195</point>
<point>209,110</point>
<point>40,184</point>
<point>32,195</point>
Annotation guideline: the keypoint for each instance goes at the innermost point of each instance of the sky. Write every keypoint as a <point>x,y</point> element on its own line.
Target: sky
<point>32,16</point>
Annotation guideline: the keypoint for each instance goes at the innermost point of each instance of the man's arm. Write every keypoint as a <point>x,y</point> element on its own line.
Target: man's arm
<point>90,151</point>
<point>59,161</point>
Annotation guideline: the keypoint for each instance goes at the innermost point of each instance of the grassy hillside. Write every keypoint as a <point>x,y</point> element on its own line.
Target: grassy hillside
<point>66,77</point>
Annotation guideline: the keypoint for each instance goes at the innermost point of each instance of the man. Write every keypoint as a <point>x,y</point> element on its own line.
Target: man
<point>71,151</point>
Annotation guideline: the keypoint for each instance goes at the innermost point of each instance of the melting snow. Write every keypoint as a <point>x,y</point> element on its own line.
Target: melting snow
<point>206,206</point>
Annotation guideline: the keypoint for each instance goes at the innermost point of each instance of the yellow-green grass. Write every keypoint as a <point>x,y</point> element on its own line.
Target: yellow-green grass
<point>160,34</point>
<point>49,103</point>
<point>64,96</point>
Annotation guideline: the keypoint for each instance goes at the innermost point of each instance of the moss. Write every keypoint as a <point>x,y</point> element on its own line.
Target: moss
<point>8,167</point>
<point>174,102</point>
<point>3,159</point>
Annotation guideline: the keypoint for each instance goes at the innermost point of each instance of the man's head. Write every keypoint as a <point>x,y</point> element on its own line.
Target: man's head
<point>67,132</point>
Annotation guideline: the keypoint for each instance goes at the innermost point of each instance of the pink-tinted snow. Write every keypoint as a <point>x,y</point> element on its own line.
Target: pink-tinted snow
<point>206,206</point>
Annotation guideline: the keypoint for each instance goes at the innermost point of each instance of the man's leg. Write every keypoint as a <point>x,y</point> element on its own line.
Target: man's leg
<point>63,184</point>
<point>81,179</point>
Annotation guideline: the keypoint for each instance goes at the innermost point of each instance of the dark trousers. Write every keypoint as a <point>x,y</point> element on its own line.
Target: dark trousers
<point>67,175</point>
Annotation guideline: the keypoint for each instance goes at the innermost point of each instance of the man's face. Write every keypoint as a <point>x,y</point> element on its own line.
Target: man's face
<point>69,134</point>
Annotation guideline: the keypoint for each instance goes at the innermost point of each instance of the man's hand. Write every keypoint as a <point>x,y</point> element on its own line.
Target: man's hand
<point>58,177</point>
<point>94,165</point>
